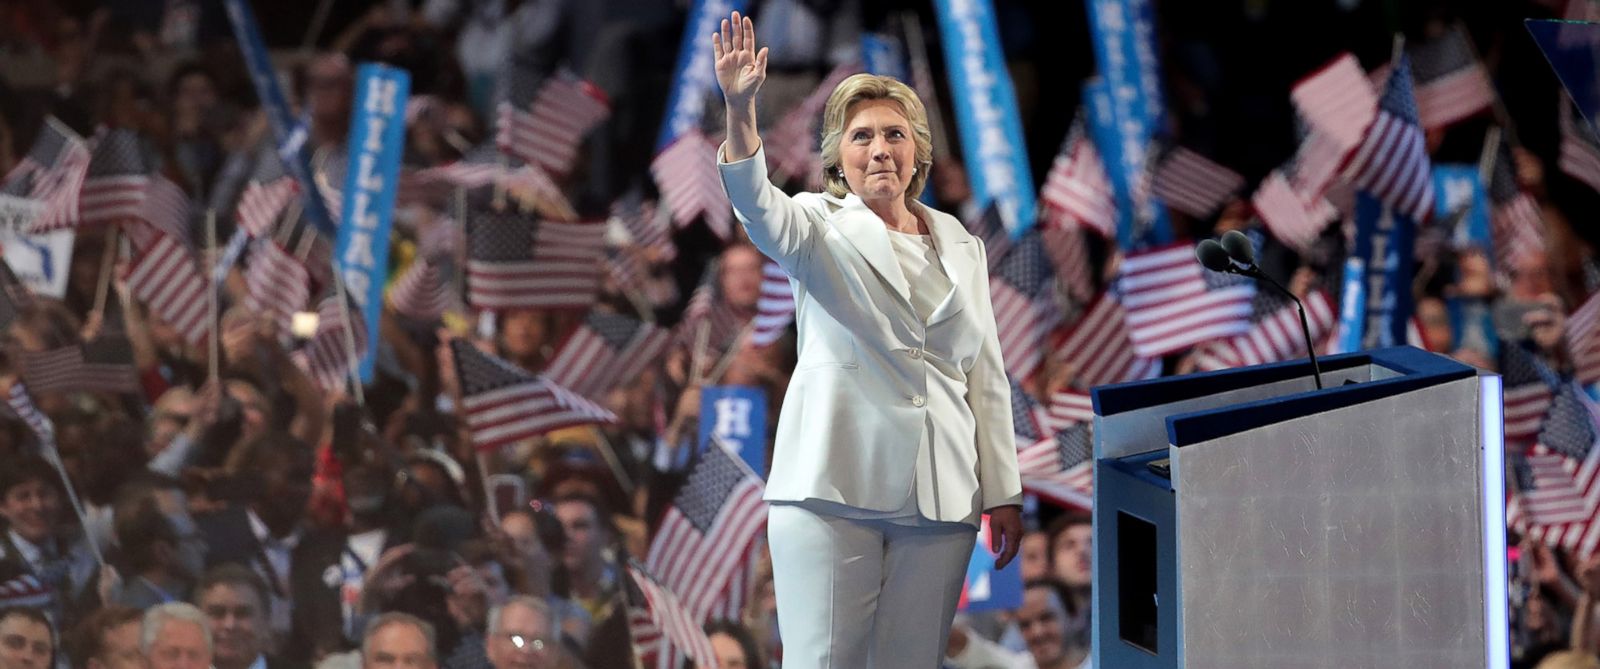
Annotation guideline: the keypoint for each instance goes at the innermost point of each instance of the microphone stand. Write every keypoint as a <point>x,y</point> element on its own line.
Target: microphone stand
<point>1254,271</point>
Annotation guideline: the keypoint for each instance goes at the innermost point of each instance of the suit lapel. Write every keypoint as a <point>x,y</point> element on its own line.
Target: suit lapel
<point>866,233</point>
<point>957,254</point>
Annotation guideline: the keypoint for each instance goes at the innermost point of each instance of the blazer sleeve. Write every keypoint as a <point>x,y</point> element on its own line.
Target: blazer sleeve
<point>989,396</point>
<point>784,228</point>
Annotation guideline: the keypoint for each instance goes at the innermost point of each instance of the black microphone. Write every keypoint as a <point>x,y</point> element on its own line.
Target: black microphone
<point>1236,255</point>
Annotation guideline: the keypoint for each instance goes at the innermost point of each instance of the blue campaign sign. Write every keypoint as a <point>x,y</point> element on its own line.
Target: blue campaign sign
<point>1377,302</point>
<point>986,588</point>
<point>1128,102</point>
<point>1460,201</point>
<point>377,138</point>
<point>883,55</point>
<point>694,75</point>
<point>738,416</point>
<point>986,111</point>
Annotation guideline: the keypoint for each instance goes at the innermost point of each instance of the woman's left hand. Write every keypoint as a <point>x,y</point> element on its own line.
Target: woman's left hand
<point>1005,533</point>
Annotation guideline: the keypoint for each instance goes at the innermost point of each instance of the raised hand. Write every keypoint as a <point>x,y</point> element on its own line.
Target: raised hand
<point>740,68</point>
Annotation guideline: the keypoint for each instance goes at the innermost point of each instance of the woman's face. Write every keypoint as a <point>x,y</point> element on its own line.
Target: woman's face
<point>878,151</point>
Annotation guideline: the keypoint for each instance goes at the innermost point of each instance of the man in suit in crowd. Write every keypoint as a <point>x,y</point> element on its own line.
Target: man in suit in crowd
<point>235,600</point>
<point>37,541</point>
<point>175,635</point>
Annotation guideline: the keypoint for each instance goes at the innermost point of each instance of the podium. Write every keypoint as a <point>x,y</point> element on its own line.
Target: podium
<point>1244,519</point>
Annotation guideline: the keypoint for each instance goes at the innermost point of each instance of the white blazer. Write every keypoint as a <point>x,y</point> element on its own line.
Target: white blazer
<point>871,374</point>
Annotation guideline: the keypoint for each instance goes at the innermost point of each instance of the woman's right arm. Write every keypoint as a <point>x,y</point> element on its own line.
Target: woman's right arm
<point>778,225</point>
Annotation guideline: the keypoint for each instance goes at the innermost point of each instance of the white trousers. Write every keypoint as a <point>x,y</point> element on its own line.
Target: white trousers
<point>864,594</point>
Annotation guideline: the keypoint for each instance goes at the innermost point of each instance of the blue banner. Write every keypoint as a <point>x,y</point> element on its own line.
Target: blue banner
<point>1377,302</point>
<point>695,74</point>
<point>290,135</point>
<point>986,112</point>
<point>883,55</point>
<point>738,416</point>
<point>377,138</point>
<point>987,588</point>
<point>1460,200</point>
<point>1130,104</point>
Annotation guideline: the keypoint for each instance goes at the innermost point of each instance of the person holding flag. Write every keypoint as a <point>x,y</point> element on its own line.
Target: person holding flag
<point>896,432</point>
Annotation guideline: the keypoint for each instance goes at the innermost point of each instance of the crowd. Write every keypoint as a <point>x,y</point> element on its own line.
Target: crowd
<point>234,508</point>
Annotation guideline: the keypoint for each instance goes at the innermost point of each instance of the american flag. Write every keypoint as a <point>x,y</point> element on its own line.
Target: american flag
<point>1029,418</point>
<point>422,292</point>
<point>1392,161</point>
<point>104,364</point>
<point>1292,220</point>
<point>480,169</point>
<point>1555,480</point>
<point>1077,191</point>
<point>775,307</point>
<point>1274,335</point>
<point>505,404</point>
<point>548,133</point>
<point>1069,253</point>
<point>20,402</point>
<point>52,173</point>
<point>1338,101</point>
<point>121,185</point>
<point>1529,387</point>
<point>664,612</point>
<point>277,283</point>
<point>703,536</point>
<point>1192,183</point>
<point>990,228</point>
<point>793,147</point>
<point>25,591</point>
<point>269,192</point>
<point>686,173</point>
<point>1516,223</point>
<point>647,226</point>
<point>706,306</point>
<point>1099,349</point>
<point>1451,83</point>
<point>1580,148</point>
<point>516,262</point>
<point>603,351</point>
<point>1583,340</point>
<point>1060,467</point>
<point>327,357</point>
<point>1068,407</point>
<point>1023,290</point>
<point>165,275</point>
<point>1173,303</point>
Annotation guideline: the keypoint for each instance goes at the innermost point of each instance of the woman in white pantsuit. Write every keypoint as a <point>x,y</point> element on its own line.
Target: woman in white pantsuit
<point>895,433</point>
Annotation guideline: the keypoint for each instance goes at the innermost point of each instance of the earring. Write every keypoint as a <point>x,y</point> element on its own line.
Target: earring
<point>913,170</point>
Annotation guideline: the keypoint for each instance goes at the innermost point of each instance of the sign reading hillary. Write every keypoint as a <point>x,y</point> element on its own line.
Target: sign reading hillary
<point>987,588</point>
<point>738,416</point>
<point>377,138</point>
<point>694,75</point>
<point>986,112</point>
<point>1376,302</point>
<point>1125,108</point>
<point>40,261</point>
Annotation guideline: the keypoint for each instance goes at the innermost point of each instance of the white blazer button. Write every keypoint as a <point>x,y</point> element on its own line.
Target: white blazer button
<point>917,401</point>
<point>914,353</point>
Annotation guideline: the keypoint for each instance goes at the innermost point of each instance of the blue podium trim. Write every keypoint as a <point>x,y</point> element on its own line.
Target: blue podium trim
<point>1415,368</point>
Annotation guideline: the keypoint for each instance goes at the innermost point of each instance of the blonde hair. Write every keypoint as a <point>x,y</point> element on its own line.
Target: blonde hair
<point>1569,660</point>
<point>862,88</point>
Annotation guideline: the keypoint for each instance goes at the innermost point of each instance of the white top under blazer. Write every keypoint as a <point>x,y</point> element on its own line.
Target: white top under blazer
<point>885,403</point>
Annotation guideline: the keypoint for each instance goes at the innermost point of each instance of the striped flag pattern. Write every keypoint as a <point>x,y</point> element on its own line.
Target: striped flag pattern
<point>515,261</point>
<point>705,306</point>
<point>1173,303</point>
<point>52,172</point>
<point>1583,340</point>
<point>268,193</point>
<point>686,173</point>
<point>663,625</point>
<point>775,307</point>
<point>166,277</point>
<point>505,404</point>
<point>1528,388</point>
<point>104,364</point>
<point>1099,349</point>
<point>565,110</point>
<point>1022,290</point>
<point>1516,224</point>
<point>1451,84</point>
<point>1287,214</point>
<point>326,357</point>
<point>1392,161</point>
<point>1580,147</point>
<point>702,540</point>
<point>1556,483</point>
<point>603,351</point>
<point>121,185</point>
<point>1069,253</point>
<point>277,283</point>
<point>793,147</point>
<point>1077,189</point>
<point>20,402</point>
<point>1060,468</point>
<point>25,591</point>
<point>422,291</point>
<point>1192,183</point>
<point>1275,335</point>
<point>1068,407</point>
<point>1338,101</point>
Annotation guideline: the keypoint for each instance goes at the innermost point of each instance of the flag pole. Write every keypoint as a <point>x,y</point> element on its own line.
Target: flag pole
<point>459,277</point>
<point>608,451</point>
<point>108,260</point>
<point>727,357</point>
<point>488,490</point>
<point>213,322</point>
<point>354,364</point>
